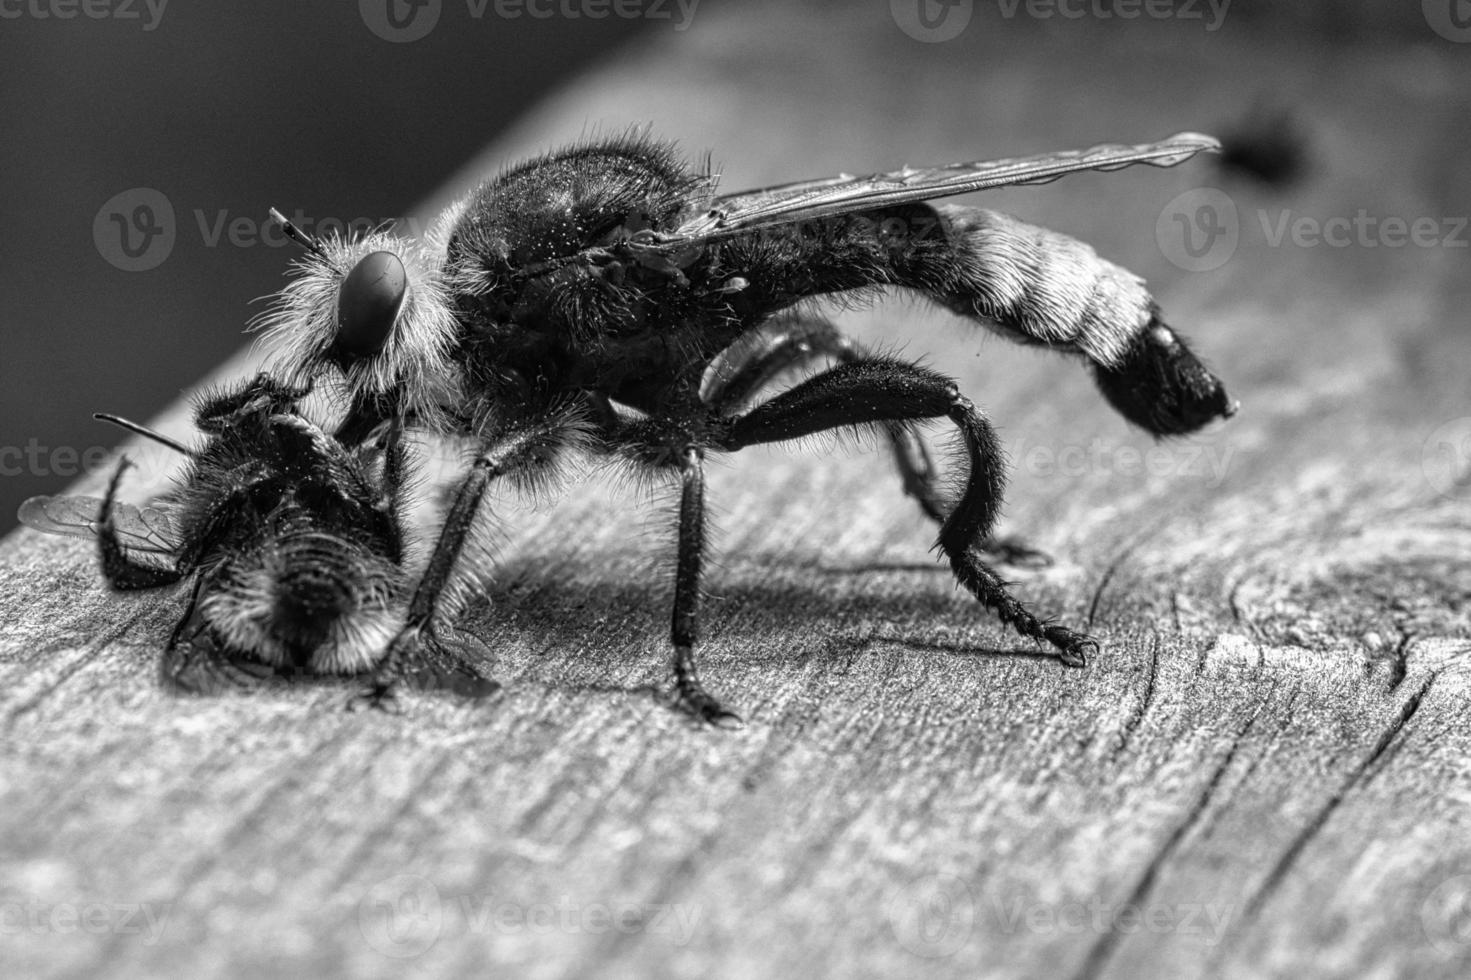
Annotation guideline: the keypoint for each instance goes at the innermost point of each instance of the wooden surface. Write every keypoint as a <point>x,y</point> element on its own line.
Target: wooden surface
<point>1265,773</point>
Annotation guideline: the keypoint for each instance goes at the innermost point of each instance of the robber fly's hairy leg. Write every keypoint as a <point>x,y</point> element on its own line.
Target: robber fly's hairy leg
<point>416,655</point>
<point>122,572</point>
<point>685,626</point>
<point>879,390</point>
<point>790,343</point>
<point>674,443</point>
<point>1035,286</point>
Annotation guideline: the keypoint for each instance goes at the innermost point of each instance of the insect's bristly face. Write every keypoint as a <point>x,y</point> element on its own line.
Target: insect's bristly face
<point>368,305</point>
<point>1160,385</point>
<point>372,315</point>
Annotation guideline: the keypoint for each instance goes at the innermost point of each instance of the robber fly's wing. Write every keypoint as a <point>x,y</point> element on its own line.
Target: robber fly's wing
<point>148,528</point>
<point>787,204</point>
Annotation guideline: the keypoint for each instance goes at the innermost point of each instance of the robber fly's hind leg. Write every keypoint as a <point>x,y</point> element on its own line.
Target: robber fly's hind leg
<point>877,390</point>
<point>791,342</point>
<point>122,572</point>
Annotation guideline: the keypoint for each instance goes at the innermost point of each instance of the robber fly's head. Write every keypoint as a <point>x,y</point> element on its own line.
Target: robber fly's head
<point>1160,385</point>
<point>370,311</point>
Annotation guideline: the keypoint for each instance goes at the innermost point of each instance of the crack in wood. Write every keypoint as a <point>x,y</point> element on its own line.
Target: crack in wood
<point>1278,873</point>
<point>1107,944</point>
<point>1136,717</point>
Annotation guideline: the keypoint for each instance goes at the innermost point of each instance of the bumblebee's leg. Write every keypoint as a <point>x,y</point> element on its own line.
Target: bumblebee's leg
<point>878,390</point>
<point>1035,286</point>
<point>195,662</point>
<point>791,342</point>
<point>416,656</point>
<point>122,572</point>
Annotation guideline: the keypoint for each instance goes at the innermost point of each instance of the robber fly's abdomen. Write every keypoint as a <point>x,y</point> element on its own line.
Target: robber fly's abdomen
<point>1035,285</point>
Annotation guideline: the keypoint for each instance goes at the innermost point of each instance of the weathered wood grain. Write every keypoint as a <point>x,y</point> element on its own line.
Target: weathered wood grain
<point>1265,773</point>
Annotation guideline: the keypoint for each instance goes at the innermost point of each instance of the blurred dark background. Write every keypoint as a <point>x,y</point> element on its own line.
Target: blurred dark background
<point>224,110</point>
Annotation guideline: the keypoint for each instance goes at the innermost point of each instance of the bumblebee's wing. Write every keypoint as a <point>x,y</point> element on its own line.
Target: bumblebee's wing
<point>147,528</point>
<point>787,204</point>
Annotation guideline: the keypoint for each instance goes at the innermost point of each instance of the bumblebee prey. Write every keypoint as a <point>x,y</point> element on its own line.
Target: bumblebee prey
<point>294,543</point>
<point>604,297</point>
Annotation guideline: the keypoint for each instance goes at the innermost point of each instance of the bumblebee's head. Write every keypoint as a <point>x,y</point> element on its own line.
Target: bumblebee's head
<point>371,312</point>
<point>1161,386</point>
<point>308,600</point>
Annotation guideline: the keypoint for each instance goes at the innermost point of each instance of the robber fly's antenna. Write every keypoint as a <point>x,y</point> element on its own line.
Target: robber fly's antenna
<point>298,236</point>
<point>143,430</point>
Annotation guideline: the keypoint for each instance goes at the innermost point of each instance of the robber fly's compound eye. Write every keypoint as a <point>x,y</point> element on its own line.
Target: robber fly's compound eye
<point>368,303</point>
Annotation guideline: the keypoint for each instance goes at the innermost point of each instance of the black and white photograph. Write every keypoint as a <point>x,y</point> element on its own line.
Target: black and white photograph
<point>732,488</point>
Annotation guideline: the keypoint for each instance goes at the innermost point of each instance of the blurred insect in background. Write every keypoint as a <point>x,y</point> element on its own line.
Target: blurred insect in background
<point>605,297</point>
<point>294,543</point>
<point>1270,146</point>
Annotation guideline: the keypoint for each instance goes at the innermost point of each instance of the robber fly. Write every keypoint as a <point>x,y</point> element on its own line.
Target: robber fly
<point>294,543</point>
<point>606,296</point>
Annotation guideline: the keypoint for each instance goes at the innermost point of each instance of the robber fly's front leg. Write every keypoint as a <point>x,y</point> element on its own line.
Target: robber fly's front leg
<point>417,655</point>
